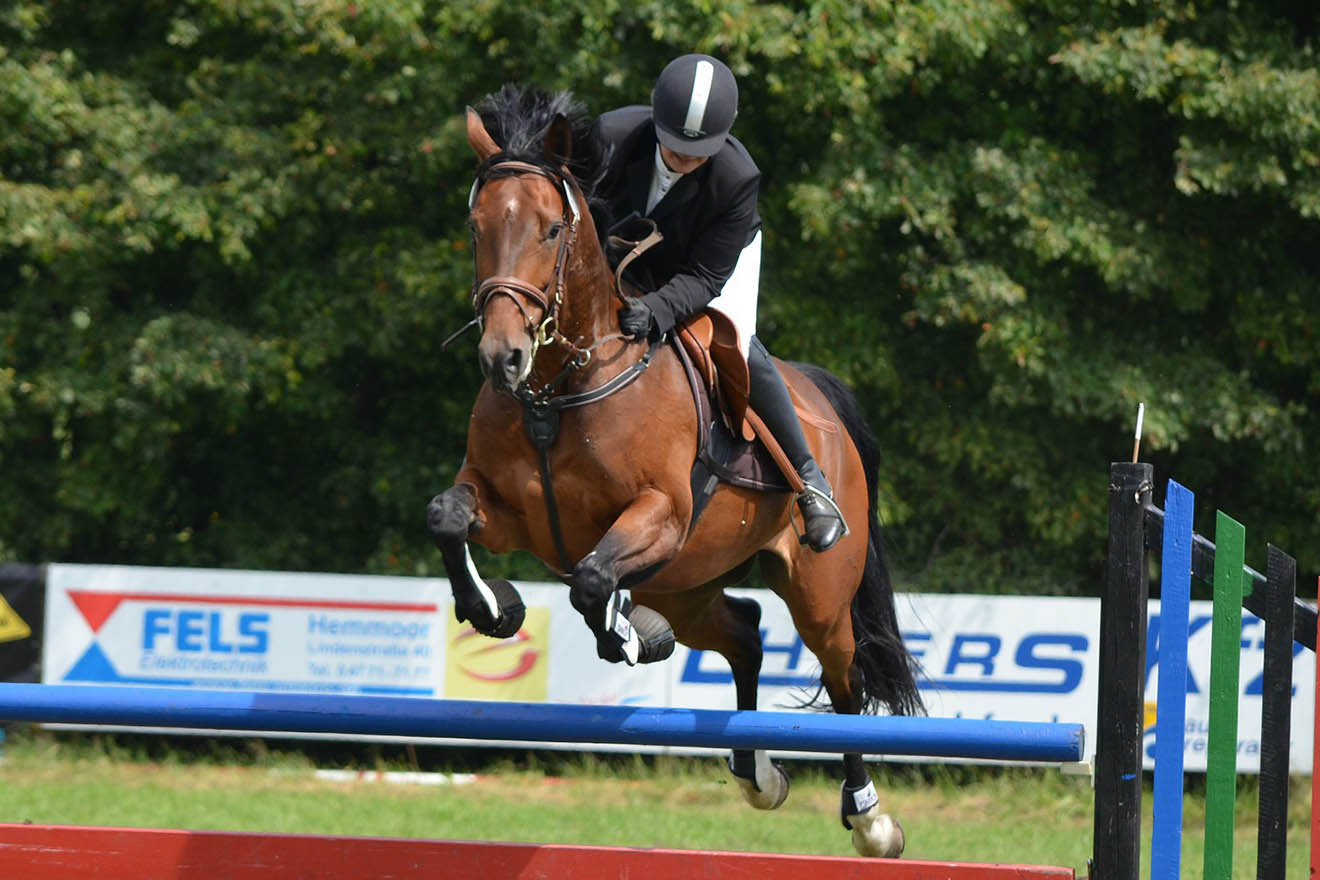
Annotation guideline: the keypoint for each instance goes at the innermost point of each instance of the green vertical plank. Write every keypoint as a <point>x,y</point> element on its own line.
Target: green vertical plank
<point>1225,652</point>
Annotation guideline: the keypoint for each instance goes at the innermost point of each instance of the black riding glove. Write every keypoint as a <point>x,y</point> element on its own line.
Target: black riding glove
<point>636,318</point>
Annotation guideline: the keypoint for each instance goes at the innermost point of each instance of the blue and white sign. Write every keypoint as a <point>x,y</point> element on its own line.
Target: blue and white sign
<point>242,630</point>
<point>986,657</point>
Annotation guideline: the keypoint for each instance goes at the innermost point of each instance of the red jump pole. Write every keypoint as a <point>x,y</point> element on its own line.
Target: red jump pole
<point>53,852</point>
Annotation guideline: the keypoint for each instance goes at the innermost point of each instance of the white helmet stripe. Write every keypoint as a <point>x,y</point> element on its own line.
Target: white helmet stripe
<point>700,95</point>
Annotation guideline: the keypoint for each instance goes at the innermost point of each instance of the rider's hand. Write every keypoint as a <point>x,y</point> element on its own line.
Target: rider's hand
<point>636,318</point>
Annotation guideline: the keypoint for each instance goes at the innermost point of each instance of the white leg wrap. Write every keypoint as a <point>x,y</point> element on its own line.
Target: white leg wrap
<point>477,581</point>
<point>876,834</point>
<point>771,781</point>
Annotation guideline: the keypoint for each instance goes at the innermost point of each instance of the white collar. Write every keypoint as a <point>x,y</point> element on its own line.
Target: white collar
<point>668,177</point>
<point>663,179</point>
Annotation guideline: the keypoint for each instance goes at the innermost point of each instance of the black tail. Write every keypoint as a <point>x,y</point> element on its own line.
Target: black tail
<point>888,671</point>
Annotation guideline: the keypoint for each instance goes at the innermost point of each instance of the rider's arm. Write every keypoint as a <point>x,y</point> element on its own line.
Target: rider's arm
<point>710,260</point>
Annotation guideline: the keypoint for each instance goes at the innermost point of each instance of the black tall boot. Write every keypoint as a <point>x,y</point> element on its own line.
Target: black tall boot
<point>822,522</point>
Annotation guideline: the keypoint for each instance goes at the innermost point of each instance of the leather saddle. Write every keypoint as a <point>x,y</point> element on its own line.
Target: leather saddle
<point>711,343</point>
<point>727,447</point>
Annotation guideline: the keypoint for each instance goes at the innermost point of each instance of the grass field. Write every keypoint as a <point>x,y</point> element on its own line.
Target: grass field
<point>986,815</point>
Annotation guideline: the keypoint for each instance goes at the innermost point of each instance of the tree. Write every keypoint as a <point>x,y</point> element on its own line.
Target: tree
<point>232,237</point>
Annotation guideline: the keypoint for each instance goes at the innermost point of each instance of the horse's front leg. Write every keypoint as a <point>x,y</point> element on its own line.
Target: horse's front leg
<point>645,536</point>
<point>493,607</point>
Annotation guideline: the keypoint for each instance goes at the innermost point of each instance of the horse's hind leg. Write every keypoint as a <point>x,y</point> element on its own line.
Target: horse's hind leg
<point>731,627</point>
<point>873,833</point>
<point>764,784</point>
<point>828,633</point>
<point>493,607</point>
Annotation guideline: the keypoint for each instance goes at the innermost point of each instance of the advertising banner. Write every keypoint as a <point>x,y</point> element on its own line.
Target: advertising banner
<point>21,591</point>
<point>998,657</point>
<point>1250,681</point>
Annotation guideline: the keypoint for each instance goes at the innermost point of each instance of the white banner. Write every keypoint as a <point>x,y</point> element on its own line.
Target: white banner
<point>1003,657</point>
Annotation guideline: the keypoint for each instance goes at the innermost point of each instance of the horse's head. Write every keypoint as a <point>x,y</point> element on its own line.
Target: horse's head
<point>524,217</point>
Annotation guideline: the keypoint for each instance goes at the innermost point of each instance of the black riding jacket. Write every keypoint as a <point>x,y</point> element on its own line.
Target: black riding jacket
<point>707,218</point>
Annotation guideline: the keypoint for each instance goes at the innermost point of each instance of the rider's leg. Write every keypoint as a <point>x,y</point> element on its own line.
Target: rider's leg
<point>769,397</point>
<point>823,524</point>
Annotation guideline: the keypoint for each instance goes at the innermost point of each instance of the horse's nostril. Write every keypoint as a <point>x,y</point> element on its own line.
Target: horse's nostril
<point>513,365</point>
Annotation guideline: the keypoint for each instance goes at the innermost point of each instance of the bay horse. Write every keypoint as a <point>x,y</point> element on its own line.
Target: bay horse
<point>580,449</point>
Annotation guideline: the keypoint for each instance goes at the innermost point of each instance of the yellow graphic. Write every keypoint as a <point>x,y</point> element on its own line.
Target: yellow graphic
<point>12,627</point>
<point>1148,716</point>
<point>481,668</point>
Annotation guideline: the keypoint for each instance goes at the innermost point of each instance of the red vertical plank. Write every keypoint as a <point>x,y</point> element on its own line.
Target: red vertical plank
<point>1315,753</point>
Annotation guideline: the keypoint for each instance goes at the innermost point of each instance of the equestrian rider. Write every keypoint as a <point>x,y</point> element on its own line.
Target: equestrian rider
<point>676,164</point>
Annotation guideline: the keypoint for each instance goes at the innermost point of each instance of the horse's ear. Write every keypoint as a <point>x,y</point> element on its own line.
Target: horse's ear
<point>482,143</point>
<point>559,141</point>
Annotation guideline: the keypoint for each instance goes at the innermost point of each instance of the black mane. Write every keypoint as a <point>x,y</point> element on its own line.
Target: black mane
<point>518,117</point>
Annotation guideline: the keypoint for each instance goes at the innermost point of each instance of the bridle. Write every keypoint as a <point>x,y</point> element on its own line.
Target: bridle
<point>550,297</point>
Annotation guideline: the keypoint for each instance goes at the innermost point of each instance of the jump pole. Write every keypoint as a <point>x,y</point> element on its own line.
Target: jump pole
<point>541,722</point>
<point>58,852</point>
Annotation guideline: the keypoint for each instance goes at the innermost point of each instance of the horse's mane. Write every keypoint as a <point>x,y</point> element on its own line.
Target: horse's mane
<point>518,117</point>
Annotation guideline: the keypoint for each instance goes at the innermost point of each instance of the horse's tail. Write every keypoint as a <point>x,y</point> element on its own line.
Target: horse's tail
<point>888,670</point>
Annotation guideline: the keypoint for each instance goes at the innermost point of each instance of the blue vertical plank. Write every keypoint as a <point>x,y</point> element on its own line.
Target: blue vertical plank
<point>1171,702</point>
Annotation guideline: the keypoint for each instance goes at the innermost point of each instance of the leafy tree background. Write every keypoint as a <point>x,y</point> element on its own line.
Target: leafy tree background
<point>232,236</point>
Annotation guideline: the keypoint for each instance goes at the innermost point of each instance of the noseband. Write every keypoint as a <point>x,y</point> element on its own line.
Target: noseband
<point>550,297</point>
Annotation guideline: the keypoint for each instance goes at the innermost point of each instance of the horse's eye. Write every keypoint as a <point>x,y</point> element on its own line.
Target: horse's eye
<point>554,230</point>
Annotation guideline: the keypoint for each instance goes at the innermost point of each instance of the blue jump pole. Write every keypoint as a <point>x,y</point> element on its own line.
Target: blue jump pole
<point>540,722</point>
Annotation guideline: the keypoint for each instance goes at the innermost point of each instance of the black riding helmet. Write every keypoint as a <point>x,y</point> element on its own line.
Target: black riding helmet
<point>694,103</point>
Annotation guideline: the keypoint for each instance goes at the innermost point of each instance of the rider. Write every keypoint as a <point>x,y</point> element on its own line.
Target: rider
<point>676,163</point>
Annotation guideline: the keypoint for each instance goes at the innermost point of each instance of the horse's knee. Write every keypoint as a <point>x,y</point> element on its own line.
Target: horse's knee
<point>449,515</point>
<point>593,583</point>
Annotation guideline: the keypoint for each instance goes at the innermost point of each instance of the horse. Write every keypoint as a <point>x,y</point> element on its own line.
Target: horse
<point>580,449</point>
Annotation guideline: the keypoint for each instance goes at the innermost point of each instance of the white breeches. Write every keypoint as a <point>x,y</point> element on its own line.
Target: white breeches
<point>737,298</point>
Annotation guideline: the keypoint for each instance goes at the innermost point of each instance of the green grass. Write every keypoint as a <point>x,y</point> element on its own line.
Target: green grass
<point>985,815</point>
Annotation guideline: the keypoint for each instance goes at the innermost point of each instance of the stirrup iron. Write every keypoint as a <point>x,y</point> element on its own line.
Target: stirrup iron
<point>828,499</point>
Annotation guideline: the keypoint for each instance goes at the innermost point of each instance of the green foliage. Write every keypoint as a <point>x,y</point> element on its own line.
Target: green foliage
<point>232,236</point>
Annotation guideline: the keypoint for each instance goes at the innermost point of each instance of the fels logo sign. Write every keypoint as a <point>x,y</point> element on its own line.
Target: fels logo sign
<point>209,639</point>
<point>516,668</point>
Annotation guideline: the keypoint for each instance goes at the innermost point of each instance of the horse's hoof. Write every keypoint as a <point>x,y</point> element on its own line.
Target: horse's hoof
<point>636,634</point>
<point>510,617</point>
<point>770,787</point>
<point>877,835</point>
<point>653,632</point>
